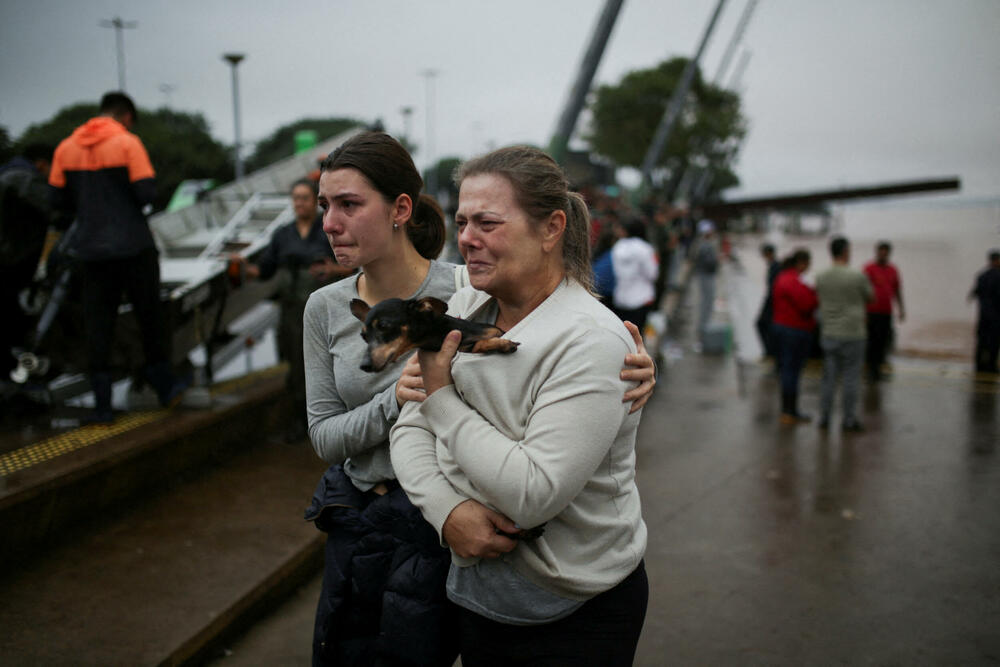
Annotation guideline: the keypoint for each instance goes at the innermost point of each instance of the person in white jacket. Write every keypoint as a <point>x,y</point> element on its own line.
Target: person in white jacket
<point>539,436</point>
<point>636,270</point>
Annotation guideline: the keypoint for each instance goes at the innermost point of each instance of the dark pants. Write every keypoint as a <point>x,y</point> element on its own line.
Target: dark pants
<point>987,347</point>
<point>879,337</point>
<point>793,346</point>
<point>103,283</point>
<point>636,316</point>
<point>764,321</point>
<point>604,631</point>
<point>14,331</point>
<point>290,332</point>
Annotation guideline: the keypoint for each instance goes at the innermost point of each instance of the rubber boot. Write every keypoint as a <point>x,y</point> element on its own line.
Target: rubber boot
<point>101,384</point>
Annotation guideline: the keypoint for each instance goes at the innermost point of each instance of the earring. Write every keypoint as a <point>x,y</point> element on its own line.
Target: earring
<point>395,226</point>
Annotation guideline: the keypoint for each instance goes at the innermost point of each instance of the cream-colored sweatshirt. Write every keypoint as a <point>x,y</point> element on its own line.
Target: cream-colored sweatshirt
<point>540,435</point>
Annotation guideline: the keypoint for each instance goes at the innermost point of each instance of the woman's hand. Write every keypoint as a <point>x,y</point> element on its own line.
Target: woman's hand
<point>436,366</point>
<point>326,269</point>
<point>471,531</point>
<point>642,370</point>
<point>249,270</point>
<point>410,386</point>
<point>322,269</point>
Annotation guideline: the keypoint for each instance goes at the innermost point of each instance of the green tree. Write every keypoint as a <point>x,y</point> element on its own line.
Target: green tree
<point>6,146</point>
<point>179,144</point>
<point>445,170</point>
<point>707,134</point>
<point>281,143</point>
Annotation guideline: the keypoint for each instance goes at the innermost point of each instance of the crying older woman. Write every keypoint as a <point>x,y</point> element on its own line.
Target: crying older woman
<point>539,438</point>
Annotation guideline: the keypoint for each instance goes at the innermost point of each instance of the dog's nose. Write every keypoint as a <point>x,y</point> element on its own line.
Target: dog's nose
<point>366,366</point>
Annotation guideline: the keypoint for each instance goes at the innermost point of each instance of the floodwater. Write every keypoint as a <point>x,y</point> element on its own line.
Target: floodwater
<point>938,248</point>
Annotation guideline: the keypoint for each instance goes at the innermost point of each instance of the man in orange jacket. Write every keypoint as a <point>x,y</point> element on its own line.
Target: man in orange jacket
<point>102,174</point>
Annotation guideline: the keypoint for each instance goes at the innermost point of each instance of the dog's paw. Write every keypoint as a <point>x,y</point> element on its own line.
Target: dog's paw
<point>494,346</point>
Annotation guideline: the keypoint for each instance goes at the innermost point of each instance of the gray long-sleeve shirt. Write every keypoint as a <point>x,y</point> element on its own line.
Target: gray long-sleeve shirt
<point>350,411</point>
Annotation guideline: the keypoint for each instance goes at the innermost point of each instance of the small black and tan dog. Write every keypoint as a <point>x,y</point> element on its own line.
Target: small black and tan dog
<point>395,326</point>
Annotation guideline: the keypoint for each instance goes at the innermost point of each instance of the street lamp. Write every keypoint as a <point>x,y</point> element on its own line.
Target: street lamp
<point>234,59</point>
<point>118,24</point>
<point>407,112</point>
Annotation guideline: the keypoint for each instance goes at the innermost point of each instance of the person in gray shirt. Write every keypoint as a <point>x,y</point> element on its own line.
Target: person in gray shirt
<point>843,293</point>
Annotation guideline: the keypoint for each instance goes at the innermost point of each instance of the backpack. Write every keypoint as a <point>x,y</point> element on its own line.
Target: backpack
<point>706,259</point>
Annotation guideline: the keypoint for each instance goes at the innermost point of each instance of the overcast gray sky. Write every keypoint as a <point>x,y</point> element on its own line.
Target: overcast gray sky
<point>838,93</point>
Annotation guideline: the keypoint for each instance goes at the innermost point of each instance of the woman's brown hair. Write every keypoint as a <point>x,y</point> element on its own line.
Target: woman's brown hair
<point>390,169</point>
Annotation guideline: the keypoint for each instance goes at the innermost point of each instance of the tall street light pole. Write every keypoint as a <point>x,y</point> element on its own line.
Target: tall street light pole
<point>118,24</point>
<point>432,184</point>
<point>407,112</point>
<point>234,60</point>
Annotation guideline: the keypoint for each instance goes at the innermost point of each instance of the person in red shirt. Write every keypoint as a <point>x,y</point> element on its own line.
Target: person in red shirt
<point>888,287</point>
<point>794,306</point>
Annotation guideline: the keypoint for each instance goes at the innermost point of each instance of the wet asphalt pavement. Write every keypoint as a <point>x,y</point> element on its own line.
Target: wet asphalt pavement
<point>777,545</point>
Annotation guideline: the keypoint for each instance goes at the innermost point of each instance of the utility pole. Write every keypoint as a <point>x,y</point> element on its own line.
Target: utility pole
<point>118,24</point>
<point>431,185</point>
<point>234,59</point>
<point>407,112</point>
<point>578,93</point>
<point>676,103</point>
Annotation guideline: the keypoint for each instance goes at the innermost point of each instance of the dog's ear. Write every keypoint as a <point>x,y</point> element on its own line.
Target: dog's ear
<point>360,309</point>
<point>431,305</point>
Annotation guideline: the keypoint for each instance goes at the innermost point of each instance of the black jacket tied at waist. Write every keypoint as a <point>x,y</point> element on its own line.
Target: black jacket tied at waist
<point>383,600</point>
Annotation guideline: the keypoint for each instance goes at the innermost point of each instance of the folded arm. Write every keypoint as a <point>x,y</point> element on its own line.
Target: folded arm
<point>574,419</point>
<point>337,432</point>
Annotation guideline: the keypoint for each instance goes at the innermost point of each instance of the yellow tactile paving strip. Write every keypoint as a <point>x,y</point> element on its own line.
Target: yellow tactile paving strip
<point>84,436</point>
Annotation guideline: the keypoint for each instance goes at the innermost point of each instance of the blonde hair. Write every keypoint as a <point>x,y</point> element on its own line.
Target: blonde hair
<point>541,188</point>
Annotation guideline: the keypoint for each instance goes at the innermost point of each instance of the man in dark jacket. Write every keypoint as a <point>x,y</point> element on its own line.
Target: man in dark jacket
<point>102,174</point>
<point>987,292</point>
<point>26,213</point>
<point>767,307</point>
